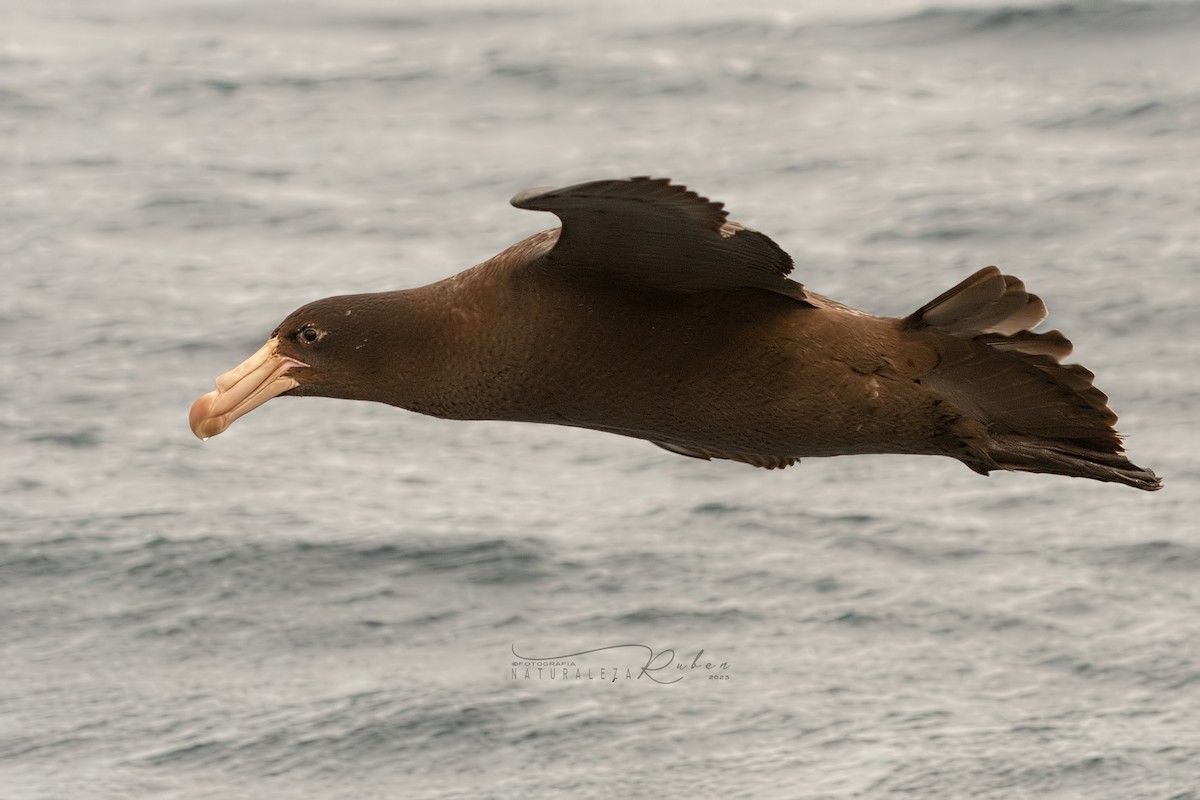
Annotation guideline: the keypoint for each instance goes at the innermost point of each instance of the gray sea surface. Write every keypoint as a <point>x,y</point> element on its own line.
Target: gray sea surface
<point>332,599</point>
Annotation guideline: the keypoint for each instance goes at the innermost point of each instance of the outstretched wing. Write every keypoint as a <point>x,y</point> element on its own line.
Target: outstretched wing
<point>649,232</point>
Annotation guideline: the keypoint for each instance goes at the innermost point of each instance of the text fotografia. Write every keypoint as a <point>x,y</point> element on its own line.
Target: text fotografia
<point>662,666</point>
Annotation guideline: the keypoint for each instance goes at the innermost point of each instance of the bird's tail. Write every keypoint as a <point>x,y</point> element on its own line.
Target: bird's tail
<point>1033,413</point>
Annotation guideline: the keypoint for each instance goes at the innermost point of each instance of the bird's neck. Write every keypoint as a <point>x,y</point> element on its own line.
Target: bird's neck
<point>465,353</point>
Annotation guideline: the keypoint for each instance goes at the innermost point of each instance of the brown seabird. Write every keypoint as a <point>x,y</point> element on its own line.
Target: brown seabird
<point>649,314</point>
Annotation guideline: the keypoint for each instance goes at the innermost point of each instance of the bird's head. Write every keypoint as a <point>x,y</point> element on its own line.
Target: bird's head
<point>327,348</point>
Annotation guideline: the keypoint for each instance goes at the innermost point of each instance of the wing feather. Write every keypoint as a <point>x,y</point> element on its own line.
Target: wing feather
<point>650,232</point>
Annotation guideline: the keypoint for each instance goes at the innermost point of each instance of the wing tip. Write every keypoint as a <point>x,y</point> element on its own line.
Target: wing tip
<point>522,198</point>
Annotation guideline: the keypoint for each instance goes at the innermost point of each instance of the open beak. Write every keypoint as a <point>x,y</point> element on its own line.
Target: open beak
<point>244,388</point>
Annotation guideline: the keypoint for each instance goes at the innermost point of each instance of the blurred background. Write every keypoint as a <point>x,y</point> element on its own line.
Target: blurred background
<point>324,602</point>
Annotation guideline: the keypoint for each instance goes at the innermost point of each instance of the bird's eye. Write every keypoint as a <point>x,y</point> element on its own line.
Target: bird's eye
<point>308,334</point>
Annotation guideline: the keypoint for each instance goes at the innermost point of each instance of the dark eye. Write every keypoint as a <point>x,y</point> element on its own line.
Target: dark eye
<point>308,334</point>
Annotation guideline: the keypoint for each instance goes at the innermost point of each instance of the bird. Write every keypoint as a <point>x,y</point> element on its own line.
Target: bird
<point>650,314</point>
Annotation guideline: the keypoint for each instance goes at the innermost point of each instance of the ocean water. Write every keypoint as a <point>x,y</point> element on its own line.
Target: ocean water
<point>335,600</point>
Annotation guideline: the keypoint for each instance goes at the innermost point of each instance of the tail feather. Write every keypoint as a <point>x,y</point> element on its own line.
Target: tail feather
<point>1036,455</point>
<point>986,302</point>
<point>1024,409</point>
<point>1051,343</point>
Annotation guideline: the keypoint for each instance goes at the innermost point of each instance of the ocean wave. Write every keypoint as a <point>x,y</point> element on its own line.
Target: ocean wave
<point>203,209</point>
<point>1078,19</point>
<point>13,101</point>
<point>1157,554</point>
<point>284,566</point>
<point>220,569</point>
<point>1155,116</point>
<point>79,439</point>
<point>657,615</point>
<point>940,23</point>
<point>325,17</point>
<point>369,729</point>
<point>226,87</point>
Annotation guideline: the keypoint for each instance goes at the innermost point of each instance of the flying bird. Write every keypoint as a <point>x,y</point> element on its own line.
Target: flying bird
<point>650,314</point>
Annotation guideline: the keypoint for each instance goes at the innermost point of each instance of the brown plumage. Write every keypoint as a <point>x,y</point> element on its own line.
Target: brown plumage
<point>649,314</point>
